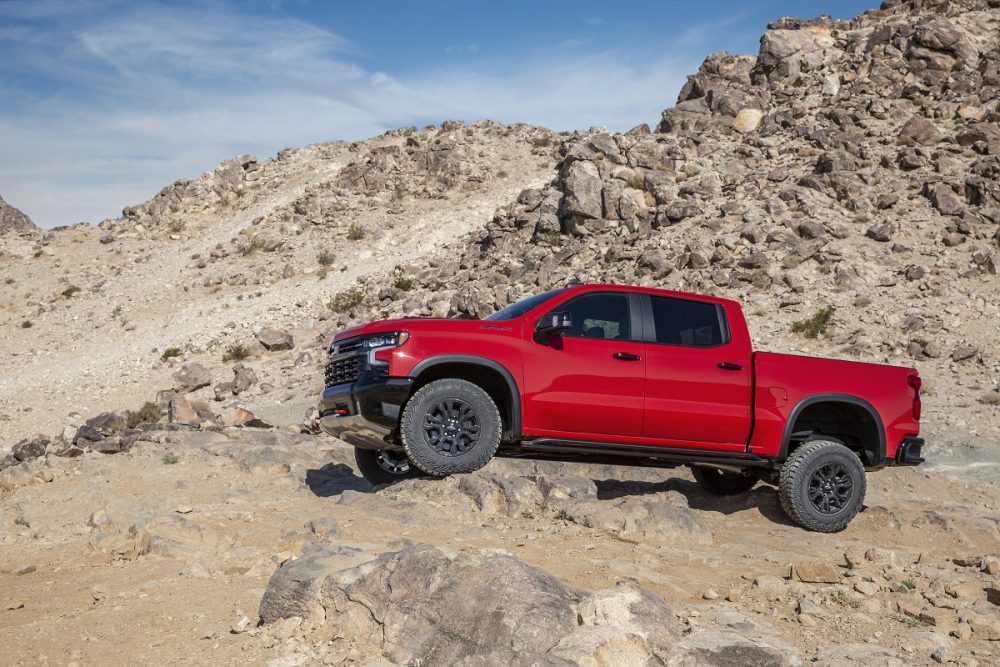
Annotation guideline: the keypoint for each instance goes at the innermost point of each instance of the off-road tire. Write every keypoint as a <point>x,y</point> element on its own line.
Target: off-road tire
<point>376,466</point>
<point>722,483</point>
<point>809,461</point>
<point>426,403</point>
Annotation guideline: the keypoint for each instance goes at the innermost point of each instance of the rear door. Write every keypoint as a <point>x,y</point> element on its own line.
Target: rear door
<point>698,374</point>
<point>587,383</point>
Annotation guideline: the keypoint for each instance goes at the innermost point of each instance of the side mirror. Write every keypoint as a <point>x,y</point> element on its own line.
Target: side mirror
<point>552,324</point>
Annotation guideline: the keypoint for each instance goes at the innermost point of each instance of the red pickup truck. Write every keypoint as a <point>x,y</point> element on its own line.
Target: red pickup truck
<point>620,375</point>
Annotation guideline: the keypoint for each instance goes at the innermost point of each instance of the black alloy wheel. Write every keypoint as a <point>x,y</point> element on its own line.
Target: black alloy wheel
<point>822,485</point>
<point>384,466</point>
<point>830,488</point>
<point>452,427</point>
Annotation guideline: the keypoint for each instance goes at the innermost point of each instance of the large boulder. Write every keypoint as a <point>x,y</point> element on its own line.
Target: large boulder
<point>582,186</point>
<point>26,450</point>
<point>727,648</point>
<point>919,130</point>
<point>785,53</point>
<point>429,606</point>
<point>244,377</point>
<point>191,376</point>
<point>939,43</point>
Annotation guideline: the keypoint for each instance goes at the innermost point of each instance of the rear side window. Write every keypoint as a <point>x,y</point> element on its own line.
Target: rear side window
<point>600,315</point>
<point>689,323</point>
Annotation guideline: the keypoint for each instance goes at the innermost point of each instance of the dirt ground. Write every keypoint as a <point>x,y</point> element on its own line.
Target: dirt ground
<point>75,588</point>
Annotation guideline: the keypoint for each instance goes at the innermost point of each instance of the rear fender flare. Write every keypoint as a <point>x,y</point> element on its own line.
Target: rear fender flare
<point>877,454</point>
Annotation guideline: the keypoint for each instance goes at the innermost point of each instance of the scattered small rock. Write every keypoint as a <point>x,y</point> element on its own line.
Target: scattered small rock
<point>241,625</point>
<point>275,339</point>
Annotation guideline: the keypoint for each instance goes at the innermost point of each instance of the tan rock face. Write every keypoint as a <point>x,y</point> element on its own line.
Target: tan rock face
<point>748,120</point>
<point>817,572</point>
<point>181,412</point>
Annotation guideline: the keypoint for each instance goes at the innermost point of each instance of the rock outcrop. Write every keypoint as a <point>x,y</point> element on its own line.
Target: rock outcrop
<point>13,220</point>
<point>429,606</point>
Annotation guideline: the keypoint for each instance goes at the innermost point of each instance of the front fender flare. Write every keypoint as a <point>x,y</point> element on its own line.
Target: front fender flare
<point>514,393</point>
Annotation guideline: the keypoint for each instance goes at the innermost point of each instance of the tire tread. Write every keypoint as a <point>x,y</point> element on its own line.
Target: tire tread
<point>482,453</point>
<point>790,479</point>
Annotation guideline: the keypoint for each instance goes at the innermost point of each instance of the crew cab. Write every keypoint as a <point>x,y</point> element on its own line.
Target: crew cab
<point>621,375</point>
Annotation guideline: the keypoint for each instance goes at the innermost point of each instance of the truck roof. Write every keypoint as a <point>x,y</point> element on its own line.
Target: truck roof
<point>610,287</point>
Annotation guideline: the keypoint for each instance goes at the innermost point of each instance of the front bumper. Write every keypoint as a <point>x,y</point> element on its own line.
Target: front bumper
<point>908,453</point>
<point>365,413</point>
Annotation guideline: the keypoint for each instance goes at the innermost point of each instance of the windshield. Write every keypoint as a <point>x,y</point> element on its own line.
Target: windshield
<point>524,305</point>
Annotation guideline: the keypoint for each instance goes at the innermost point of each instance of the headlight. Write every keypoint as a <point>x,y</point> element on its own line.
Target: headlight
<point>393,339</point>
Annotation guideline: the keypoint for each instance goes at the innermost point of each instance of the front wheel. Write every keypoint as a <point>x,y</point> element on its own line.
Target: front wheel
<point>722,482</point>
<point>450,426</point>
<point>822,486</point>
<point>384,466</point>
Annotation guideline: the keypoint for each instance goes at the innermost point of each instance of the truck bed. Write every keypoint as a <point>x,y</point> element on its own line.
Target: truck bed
<point>783,381</point>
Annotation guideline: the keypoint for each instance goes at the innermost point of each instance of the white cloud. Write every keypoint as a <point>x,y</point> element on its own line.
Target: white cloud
<point>128,100</point>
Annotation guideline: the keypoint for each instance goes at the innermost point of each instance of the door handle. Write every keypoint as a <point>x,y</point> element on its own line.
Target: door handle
<point>626,356</point>
<point>729,366</point>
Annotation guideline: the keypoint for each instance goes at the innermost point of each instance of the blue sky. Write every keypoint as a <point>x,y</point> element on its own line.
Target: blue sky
<point>103,102</point>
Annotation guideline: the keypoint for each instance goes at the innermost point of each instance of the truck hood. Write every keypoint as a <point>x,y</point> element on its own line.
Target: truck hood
<point>412,324</point>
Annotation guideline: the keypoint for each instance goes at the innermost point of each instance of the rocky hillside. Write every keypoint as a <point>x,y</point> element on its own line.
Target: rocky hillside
<point>165,477</point>
<point>97,318</point>
<point>13,220</point>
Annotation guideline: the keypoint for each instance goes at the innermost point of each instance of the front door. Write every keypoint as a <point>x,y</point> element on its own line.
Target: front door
<point>587,383</point>
<point>697,376</point>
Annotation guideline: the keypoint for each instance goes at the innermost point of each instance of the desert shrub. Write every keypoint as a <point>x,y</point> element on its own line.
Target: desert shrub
<point>236,352</point>
<point>845,599</point>
<point>991,398</point>
<point>170,353</point>
<point>404,283</point>
<point>169,459</point>
<point>541,142</point>
<point>346,300</point>
<point>176,226</point>
<point>27,324</point>
<point>551,236</point>
<point>811,327</point>
<point>356,232</point>
<point>324,258</point>
<point>149,413</point>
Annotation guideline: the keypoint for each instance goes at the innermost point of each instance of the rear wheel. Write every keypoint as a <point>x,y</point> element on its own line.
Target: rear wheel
<point>722,482</point>
<point>384,466</point>
<point>450,426</point>
<point>822,486</point>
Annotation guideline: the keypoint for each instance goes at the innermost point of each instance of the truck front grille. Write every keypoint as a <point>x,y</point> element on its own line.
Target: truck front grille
<point>343,371</point>
<point>346,363</point>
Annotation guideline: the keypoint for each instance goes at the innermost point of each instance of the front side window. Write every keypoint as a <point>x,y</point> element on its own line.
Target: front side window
<point>600,315</point>
<point>689,323</point>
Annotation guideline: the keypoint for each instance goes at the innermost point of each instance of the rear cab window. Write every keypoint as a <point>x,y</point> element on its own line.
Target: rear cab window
<point>689,323</point>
